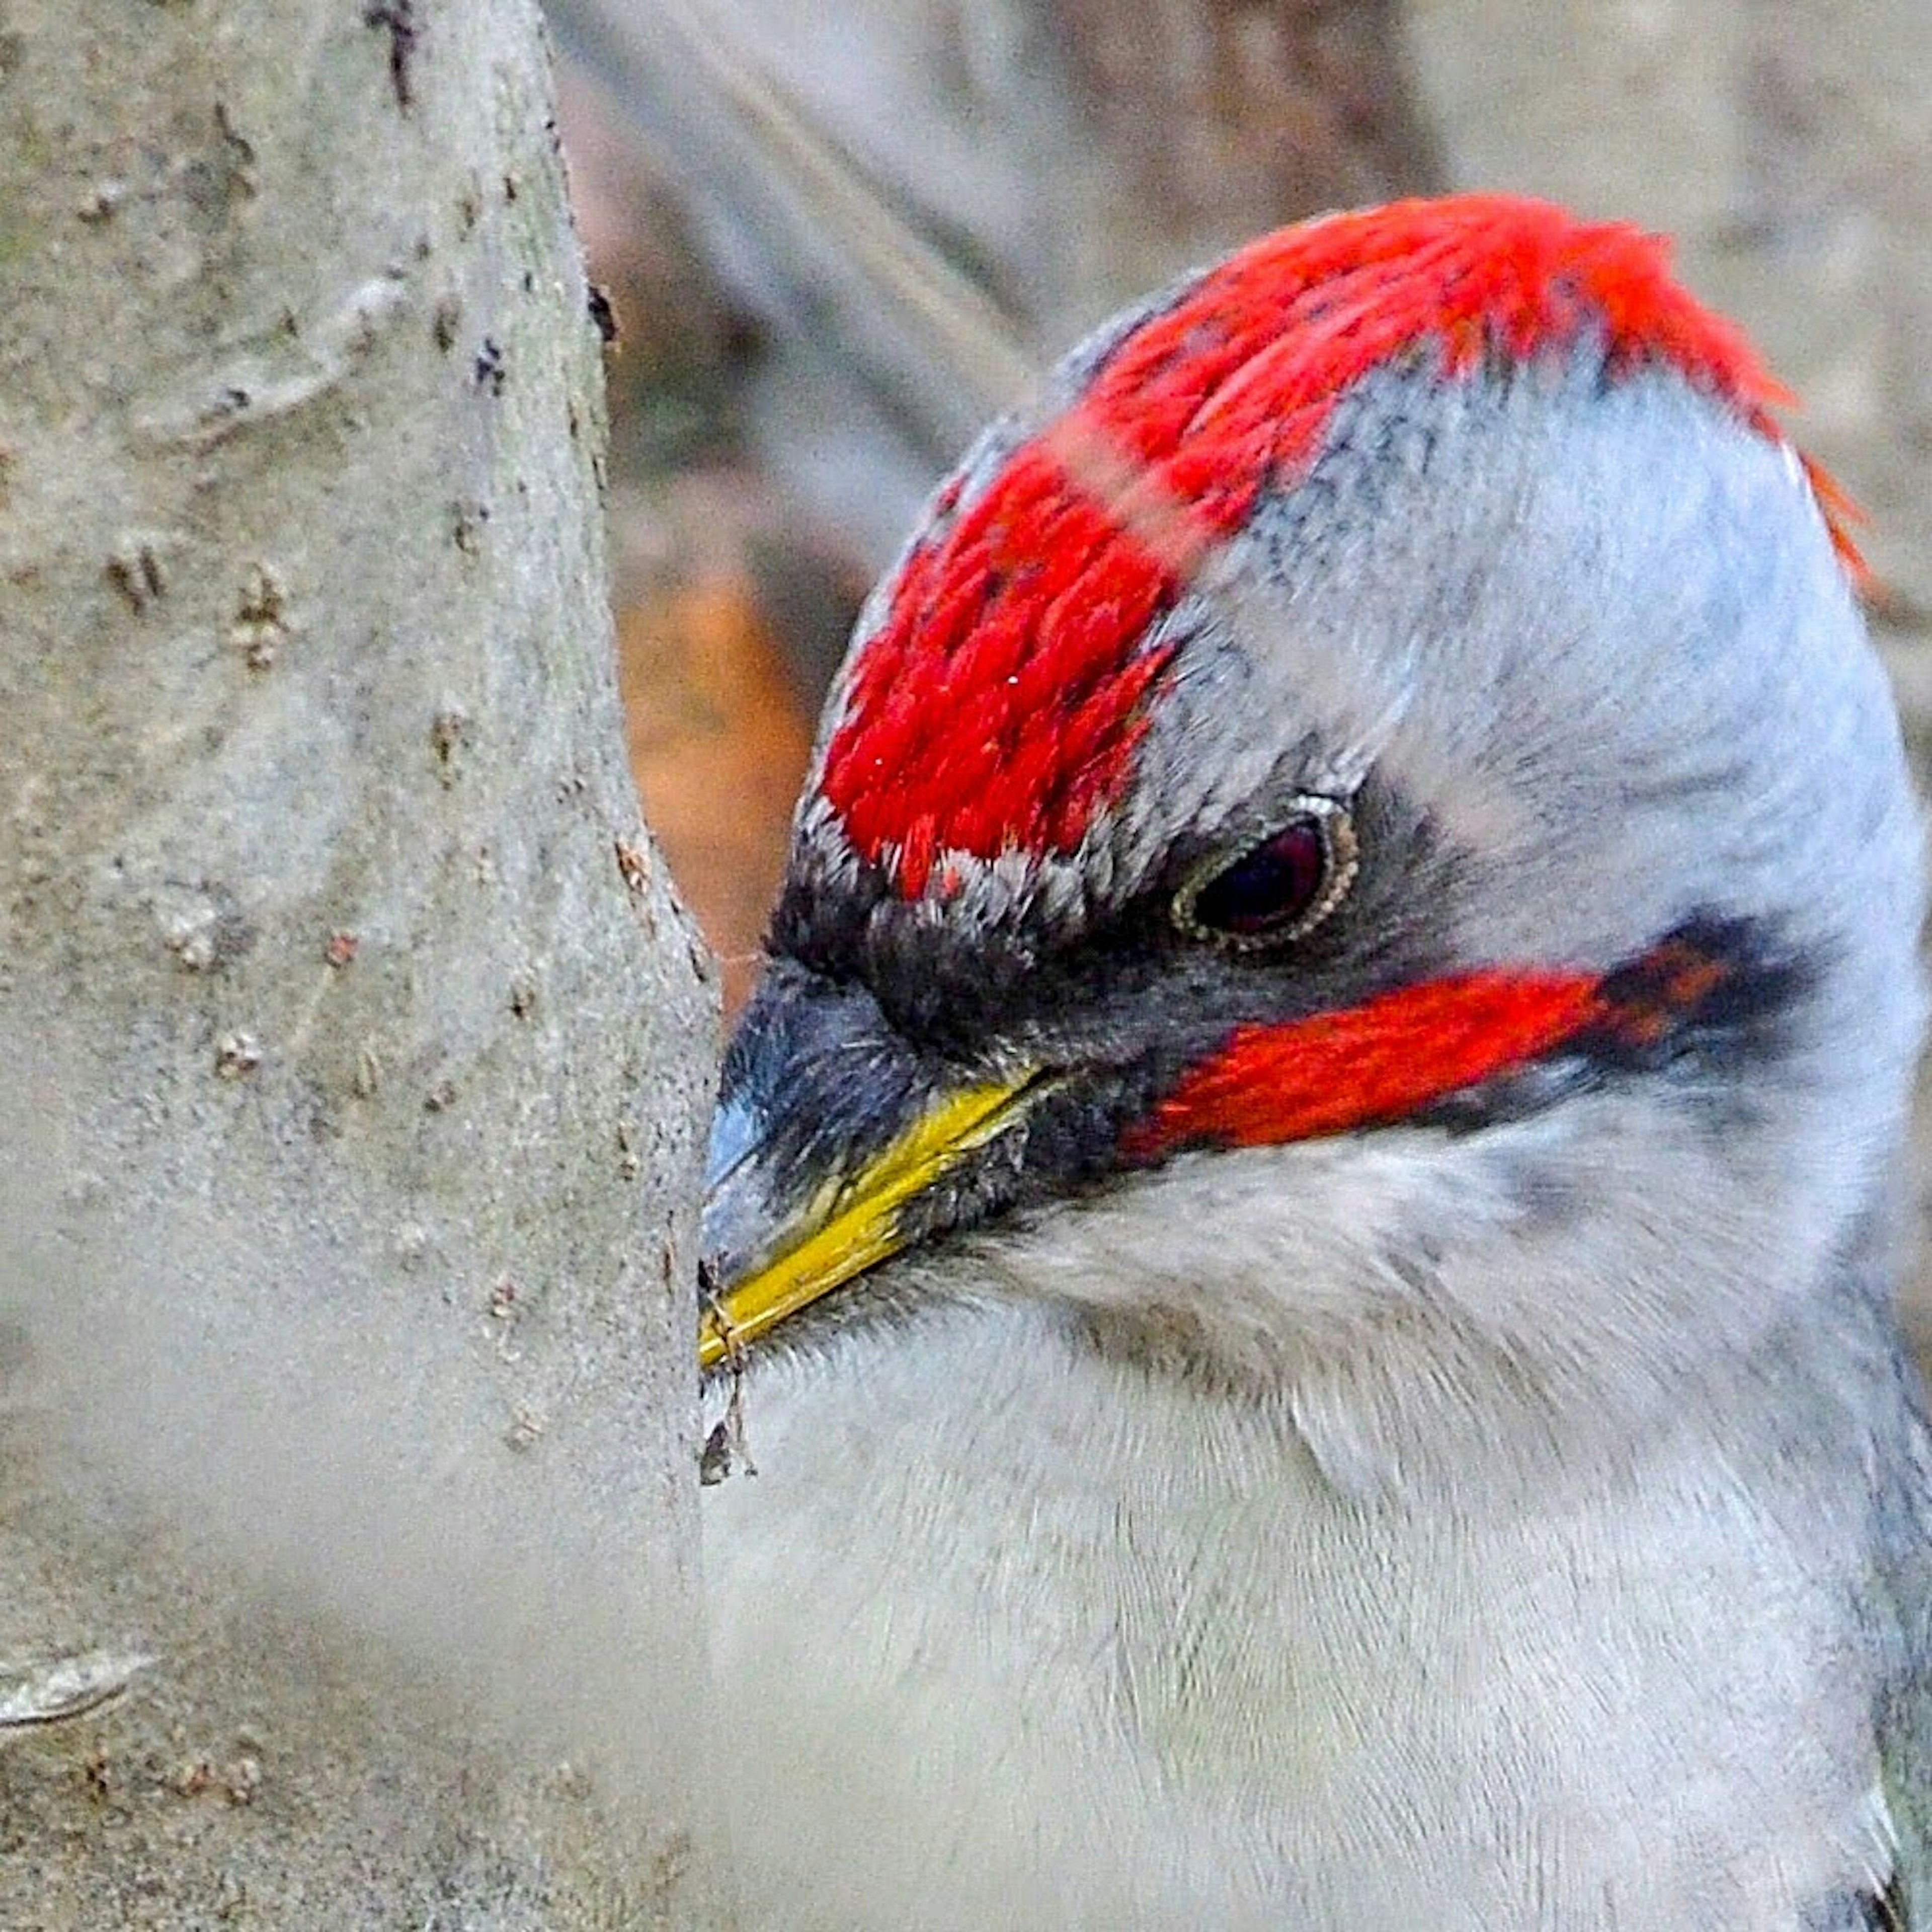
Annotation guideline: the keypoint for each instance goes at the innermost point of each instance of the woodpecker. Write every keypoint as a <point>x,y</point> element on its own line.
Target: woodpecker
<point>1301,1227</point>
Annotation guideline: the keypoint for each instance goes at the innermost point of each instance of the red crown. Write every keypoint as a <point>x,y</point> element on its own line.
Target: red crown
<point>999,703</point>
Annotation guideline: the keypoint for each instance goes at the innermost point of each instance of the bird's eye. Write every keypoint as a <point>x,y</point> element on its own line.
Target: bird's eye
<point>1281,889</point>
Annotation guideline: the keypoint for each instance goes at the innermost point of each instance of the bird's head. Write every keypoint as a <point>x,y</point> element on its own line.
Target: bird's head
<point>1371,799</point>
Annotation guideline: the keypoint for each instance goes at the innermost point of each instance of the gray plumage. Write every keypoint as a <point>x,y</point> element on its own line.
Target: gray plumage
<point>1515,1523</point>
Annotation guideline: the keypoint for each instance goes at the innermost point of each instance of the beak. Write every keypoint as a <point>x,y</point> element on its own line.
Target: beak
<point>835,1146</point>
<point>852,1222</point>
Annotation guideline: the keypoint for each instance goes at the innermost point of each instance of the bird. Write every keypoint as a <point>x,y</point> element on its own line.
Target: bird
<point>1297,1310</point>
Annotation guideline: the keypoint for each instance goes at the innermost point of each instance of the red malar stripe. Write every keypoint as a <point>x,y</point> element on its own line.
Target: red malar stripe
<point>1372,1063</point>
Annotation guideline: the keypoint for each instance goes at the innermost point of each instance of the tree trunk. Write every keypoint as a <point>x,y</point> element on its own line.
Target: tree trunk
<point>354,1050</point>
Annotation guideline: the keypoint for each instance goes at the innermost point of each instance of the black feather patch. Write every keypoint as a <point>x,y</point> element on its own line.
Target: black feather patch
<point>1718,987</point>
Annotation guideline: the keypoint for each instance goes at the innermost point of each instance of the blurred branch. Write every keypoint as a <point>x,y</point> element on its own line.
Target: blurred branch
<point>835,253</point>
<point>926,201</point>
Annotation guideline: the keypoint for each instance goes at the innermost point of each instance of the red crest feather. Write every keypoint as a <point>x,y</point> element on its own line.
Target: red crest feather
<point>999,703</point>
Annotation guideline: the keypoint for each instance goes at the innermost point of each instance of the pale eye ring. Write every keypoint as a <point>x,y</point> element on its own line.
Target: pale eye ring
<point>1279,890</point>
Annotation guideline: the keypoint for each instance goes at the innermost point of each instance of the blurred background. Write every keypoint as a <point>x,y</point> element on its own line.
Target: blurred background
<point>838,234</point>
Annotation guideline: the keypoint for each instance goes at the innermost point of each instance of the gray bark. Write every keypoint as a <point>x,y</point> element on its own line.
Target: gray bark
<point>355,1050</point>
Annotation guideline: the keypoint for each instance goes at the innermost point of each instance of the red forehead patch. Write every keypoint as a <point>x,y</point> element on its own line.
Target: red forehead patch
<point>999,703</point>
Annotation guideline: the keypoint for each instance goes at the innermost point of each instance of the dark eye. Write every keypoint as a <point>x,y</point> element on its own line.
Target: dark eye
<point>1281,889</point>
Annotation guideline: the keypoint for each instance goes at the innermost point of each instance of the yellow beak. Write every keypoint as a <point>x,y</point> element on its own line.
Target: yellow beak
<point>852,1222</point>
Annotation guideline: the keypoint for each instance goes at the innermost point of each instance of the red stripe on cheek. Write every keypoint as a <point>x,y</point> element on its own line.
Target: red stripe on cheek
<point>1375,1063</point>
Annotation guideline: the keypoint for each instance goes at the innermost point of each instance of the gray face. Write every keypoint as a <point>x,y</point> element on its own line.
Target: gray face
<point>1577,659</point>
